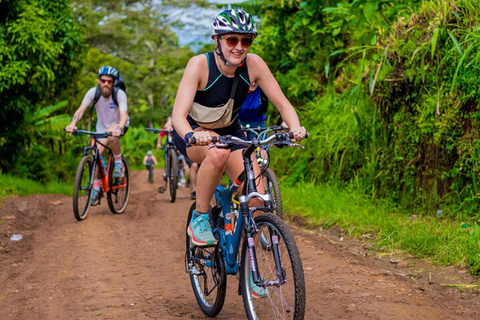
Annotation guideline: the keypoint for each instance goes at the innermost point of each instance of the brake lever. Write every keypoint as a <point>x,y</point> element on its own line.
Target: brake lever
<point>297,145</point>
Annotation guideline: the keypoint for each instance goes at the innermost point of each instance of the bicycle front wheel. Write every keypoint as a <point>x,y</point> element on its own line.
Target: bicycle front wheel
<point>82,190</point>
<point>282,295</point>
<point>273,188</point>
<point>172,174</point>
<point>119,189</point>
<point>207,272</point>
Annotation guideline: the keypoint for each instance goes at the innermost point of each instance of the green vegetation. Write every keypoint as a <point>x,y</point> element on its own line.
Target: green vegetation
<point>49,57</point>
<point>441,239</point>
<point>11,185</point>
<point>40,48</point>
<point>388,90</point>
<point>136,144</point>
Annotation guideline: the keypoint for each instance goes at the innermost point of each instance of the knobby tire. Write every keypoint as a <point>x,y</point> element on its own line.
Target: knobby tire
<point>273,188</point>
<point>82,189</point>
<point>172,174</point>
<point>118,199</point>
<point>288,300</point>
<point>209,307</point>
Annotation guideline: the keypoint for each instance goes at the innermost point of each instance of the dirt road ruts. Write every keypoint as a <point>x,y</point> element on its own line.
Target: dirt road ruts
<point>131,266</point>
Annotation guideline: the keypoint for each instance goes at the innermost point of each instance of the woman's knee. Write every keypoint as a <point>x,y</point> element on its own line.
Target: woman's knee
<point>217,157</point>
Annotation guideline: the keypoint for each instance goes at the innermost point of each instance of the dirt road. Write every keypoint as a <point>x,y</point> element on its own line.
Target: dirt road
<point>131,266</point>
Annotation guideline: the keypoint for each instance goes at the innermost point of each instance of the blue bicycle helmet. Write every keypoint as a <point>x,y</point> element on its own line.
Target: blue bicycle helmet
<point>108,71</point>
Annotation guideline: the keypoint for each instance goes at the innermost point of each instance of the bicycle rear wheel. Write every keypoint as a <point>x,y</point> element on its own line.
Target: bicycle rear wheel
<point>273,188</point>
<point>278,300</point>
<point>119,189</point>
<point>82,189</point>
<point>208,276</point>
<point>172,174</point>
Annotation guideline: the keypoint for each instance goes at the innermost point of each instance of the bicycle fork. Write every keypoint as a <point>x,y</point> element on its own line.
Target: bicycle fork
<point>250,230</point>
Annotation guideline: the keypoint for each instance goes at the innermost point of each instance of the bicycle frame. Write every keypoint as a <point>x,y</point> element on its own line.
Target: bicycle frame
<point>230,237</point>
<point>93,151</point>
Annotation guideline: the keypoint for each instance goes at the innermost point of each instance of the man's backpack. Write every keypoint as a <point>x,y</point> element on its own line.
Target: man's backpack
<point>119,84</point>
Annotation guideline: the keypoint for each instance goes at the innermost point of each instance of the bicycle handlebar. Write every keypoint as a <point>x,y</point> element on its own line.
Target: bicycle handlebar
<point>282,137</point>
<point>92,133</point>
<point>266,129</point>
<point>155,130</point>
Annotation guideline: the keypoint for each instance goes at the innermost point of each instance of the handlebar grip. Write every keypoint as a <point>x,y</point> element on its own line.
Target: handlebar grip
<point>290,135</point>
<point>193,141</point>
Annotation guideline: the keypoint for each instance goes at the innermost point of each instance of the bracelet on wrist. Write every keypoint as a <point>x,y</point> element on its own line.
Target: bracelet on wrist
<point>187,136</point>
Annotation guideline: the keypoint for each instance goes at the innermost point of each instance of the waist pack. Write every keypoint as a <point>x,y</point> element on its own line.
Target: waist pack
<point>216,117</point>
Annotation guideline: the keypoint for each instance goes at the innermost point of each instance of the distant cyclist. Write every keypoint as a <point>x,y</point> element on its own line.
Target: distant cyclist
<point>167,126</point>
<point>150,161</point>
<point>111,117</point>
<point>182,161</point>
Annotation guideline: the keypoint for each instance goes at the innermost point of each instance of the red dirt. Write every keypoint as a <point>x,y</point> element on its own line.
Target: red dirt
<point>131,266</point>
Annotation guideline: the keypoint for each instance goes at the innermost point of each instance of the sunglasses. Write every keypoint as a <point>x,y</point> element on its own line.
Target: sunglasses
<point>233,41</point>
<point>106,81</point>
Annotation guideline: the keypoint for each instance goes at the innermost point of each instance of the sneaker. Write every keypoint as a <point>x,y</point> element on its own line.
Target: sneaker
<point>200,231</point>
<point>95,198</point>
<point>183,182</point>
<point>193,195</point>
<point>256,291</point>
<point>119,170</point>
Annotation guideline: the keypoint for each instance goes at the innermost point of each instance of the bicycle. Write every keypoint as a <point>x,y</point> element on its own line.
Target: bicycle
<point>150,173</point>
<point>170,175</point>
<point>275,267</point>
<point>117,189</point>
<point>270,180</point>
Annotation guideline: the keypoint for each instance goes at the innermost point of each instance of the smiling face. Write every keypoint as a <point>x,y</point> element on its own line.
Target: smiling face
<point>106,85</point>
<point>235,47</point>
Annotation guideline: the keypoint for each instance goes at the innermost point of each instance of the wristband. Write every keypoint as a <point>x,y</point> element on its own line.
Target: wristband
<point>188,136</point>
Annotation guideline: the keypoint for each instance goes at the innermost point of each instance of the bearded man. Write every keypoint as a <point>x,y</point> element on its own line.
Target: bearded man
<point>111,105</point>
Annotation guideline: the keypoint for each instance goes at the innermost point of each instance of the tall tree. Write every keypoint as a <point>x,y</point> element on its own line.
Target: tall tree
<point>40,46</point>
<point>139,34</point>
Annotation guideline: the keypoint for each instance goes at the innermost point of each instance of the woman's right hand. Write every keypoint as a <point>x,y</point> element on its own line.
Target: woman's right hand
<point>202,138</point>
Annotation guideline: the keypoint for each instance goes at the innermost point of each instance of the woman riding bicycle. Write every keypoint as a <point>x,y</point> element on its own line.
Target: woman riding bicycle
<point>219,81</point>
